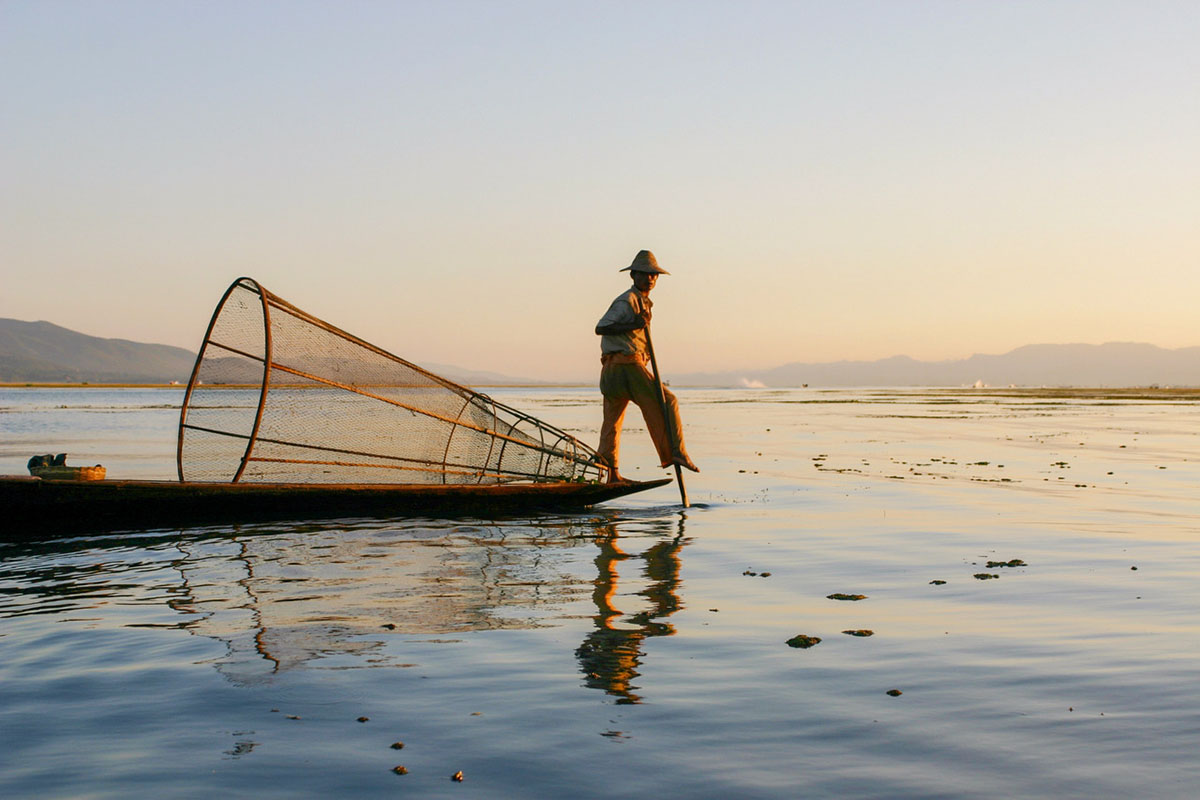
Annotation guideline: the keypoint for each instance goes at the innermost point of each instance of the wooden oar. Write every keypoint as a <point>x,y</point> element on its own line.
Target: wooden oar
<point>668,422</point>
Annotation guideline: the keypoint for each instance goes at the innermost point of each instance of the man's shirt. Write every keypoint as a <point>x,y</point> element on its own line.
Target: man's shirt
<point>623,311</point>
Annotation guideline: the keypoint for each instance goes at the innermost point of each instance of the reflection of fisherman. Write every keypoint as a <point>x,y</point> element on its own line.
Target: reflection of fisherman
<point>624,376</point>
<point>610,655</point>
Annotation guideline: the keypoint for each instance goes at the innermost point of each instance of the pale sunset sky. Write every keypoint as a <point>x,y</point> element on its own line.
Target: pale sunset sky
<point>460,182</point>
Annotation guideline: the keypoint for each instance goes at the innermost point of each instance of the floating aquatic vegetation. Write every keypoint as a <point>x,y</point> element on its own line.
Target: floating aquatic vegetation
<point>840,596</point>
<point>985,576</point>
<point>894,692</point>
<point>860,632</point>
<point>937,582</point>
<point>1015,562</point>
<point>803,642</point>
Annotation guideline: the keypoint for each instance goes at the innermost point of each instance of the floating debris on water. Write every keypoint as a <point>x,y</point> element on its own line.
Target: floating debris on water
<point>1134,569</point>
<point>860,632</point>
<point>894,692</point>
<point>458,776</point>
<point>364,719</point>
<point>985,576</point>
<point>292,716</point>
<point>400,770</point>
<point>937,582</point>
<point>1016,562</point>
<point>840,596</point>
<point>752,574</point>
<point>397,745</point>
<point>803,642</point>
<point>765,575</point>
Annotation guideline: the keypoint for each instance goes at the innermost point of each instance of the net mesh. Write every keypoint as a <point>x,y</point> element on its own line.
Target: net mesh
<point>280,396</point>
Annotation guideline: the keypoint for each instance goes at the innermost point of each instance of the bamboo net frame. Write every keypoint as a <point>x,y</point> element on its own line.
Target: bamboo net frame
<point>278,395</point>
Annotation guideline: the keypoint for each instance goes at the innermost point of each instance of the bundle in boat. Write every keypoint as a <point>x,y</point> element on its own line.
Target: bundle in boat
<point>280,396</point>
<point>54,467</point>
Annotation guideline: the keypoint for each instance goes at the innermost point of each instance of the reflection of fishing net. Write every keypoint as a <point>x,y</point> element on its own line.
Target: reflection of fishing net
<point>280,396</point>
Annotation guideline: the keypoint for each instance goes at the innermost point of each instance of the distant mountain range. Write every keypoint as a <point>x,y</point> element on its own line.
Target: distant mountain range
<point>1111,364</point>
<point>42,352</point>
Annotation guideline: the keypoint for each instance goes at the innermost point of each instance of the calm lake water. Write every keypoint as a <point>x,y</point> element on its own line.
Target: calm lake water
<point>638,649</point>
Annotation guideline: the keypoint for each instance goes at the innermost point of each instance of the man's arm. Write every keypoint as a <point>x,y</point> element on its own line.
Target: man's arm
<point>623,318</point>
<point>615,328</point>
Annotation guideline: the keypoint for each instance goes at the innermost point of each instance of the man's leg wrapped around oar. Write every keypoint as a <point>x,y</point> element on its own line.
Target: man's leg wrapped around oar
<point>626,379</point>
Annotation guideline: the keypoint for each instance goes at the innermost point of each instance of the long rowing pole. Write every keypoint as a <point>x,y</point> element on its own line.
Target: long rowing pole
<point>667,421</point>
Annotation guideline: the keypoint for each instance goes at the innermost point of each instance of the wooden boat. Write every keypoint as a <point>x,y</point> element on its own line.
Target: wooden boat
<point>288,417</point>
<point>36,508</point>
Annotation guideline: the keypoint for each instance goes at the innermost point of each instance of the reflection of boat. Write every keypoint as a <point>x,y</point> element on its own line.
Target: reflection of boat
<point>371,593</point>
<point>367,593</point>
<point>34,508</point>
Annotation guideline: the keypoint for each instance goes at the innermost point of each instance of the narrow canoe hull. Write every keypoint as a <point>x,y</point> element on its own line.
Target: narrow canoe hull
<point>35,508</point>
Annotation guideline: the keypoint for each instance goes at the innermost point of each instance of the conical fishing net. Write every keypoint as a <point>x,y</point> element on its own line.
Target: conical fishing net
<point>280,396</point>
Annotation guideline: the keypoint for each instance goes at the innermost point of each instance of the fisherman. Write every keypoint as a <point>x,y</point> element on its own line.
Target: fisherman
<point>624,351</point>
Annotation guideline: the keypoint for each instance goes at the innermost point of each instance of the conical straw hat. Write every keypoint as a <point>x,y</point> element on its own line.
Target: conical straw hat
<point>645,261</point>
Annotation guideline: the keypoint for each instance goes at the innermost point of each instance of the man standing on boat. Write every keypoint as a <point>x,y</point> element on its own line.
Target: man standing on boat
<point>624,352</point>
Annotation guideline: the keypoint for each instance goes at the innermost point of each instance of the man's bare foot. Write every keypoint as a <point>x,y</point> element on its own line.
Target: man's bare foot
<point>686,463</point>
<point>614,476</point>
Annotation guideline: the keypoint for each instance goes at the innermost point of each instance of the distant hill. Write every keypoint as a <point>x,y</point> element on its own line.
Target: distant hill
<point>1111,364</point>
<point>45,352</point>
<point>42,352</point>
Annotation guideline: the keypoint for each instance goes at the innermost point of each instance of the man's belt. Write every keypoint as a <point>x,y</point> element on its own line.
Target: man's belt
<point>623,358</point>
